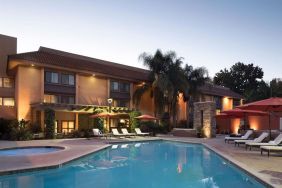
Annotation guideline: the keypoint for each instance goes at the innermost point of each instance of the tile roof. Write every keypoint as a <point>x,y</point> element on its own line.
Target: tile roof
<point>211,89</point>
<point>47,56</point>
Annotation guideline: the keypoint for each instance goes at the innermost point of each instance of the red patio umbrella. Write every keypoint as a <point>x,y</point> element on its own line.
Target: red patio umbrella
<point>146,117</point>
<point>242,113</point>
<point>270,105</point>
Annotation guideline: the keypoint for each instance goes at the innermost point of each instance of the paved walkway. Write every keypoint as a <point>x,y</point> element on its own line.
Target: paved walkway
<point>269,169</point>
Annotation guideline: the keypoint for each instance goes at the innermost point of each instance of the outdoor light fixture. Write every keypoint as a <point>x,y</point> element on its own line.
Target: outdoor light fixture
<point>93,75</point>
<point>32,65</point>
<point>110,100</point>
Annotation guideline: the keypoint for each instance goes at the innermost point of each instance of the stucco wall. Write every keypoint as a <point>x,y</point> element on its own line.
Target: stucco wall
<point>146,105</point>
<point>91,90</point>
<point>28,88</point>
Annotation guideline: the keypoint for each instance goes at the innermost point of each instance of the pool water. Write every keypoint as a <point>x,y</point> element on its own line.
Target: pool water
<point>24,151</point>
<point>140,165</point>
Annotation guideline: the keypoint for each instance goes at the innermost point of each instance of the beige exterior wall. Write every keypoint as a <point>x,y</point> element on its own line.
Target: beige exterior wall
<point>146,105</point>
<point>227,103</point>
<point>182,109</point>
<point>28,88</point>
<point>91,90</point>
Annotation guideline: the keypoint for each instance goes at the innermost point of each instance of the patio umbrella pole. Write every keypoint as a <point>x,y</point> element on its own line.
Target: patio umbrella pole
<point>269,126</point>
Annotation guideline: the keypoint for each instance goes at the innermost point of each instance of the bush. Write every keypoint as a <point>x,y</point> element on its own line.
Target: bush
<point>50,123</point>
<point>35,128</point>
<point>133,122</point>
<point>15,130</point>
<point>150,126</point>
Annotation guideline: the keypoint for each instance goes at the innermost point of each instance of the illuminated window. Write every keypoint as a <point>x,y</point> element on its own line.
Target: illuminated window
<point>8,102</point>
<point>8,82</point>
<point>1,101</point>
<point>1,82</point>
<point>67,126</point>
<point>51,99</point>
<point>56,126</point>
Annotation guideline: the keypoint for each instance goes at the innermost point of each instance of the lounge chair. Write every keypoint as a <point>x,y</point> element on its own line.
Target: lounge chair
<point>256,140</point>
<point>268,149</point>
<point>140,133</point>
<point>97,133</point>
<point>275,142</point>
<point>125,132</point>
<point>244,137</point>
<point>117,134</point>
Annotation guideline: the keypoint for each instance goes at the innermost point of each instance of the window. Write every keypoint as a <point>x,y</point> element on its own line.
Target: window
<point>1,101</point>
<point>67,126</point>
<point>67,99</point>
<point>52,77</point>
<point>8,82</point>
<point>114,86</point>
<point>121,103</point>
<point>67,79</point>
<point>1,82</point>
<point>51,99</point>
<point>8,102</point>
<point>124,87</point>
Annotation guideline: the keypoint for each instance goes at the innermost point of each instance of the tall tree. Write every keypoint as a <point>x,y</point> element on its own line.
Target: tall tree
<point>241,78</point>
<point>276,87</point>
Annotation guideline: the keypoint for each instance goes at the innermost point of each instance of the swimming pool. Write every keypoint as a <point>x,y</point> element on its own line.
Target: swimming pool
<point>25,151</point>
<point>157,164</point>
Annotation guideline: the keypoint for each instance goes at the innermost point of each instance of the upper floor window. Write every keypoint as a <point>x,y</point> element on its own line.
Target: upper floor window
<point>52,77</point>
<point>6,82</point>
<point>120,86</point>
<point>68,79</point>
<point>64,99</point>
<point>51,99</point>
<point>7,101</point>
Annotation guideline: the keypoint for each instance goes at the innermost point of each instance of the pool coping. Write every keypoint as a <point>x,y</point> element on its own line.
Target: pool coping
<point>60,164</point>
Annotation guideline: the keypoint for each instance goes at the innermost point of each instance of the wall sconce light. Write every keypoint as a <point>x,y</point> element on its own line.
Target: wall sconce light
<point>110,100</point>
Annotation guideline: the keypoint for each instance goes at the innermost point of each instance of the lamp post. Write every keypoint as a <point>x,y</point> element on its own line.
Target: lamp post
<point>110,100</point>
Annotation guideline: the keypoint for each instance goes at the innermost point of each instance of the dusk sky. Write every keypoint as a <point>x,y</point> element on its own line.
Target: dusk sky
<point>211,33</point>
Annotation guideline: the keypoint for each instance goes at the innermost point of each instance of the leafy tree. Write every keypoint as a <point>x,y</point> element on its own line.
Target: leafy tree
<point>133,122</point>
<point>50,123</point>
<point>276,87</point>
<point>241,78</point>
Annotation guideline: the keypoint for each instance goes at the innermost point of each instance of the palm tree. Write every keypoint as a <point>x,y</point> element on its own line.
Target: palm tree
<point>167,80</point>
<point>195,78</point>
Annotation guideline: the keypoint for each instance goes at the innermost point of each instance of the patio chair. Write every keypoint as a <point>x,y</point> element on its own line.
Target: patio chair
<point>140,133</point>
<point>256,140</point>
<point>97,133</point>
<point>275,142</point>
<point>268,149</point>
<point>117,134</point>
<point>246,136</point>
<point>125,132</point>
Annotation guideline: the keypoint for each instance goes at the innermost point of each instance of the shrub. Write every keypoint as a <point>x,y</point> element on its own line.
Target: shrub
<point>35,128</point>
<point>50,123</point>
<point>165,121</point>
<point>150,126</point>
<point>133,122</point>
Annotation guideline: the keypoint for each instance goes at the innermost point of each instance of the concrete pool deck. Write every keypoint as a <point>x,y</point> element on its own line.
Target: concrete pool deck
<point>268,169</point>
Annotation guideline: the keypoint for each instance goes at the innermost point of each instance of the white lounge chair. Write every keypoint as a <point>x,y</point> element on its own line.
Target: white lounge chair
<point>256,140</point>
<point>117,134</point>
<point>97,132</point>
<point>275,142</point>
<point>268,149</point>
<point>125,132</point>
<point>244,137</point>
<point>140,133</point>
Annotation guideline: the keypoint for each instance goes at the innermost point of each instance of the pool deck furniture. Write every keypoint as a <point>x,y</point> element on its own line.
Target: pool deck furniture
<point>246,136</point>
<point>125,132</point>
<point>275,142</point>
<point>98,133</point>
<point>140,133</point>
<point>118,134</point>
<point>256,140</point>
<point>269,149</point>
